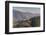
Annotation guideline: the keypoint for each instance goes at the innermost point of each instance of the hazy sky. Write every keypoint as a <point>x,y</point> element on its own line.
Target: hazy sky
<point>27,9</point>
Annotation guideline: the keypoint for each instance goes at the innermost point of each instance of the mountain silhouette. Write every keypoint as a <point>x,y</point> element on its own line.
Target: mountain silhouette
<point>23,15</point>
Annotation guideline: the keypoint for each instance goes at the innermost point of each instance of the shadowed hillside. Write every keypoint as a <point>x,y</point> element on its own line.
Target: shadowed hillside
<point>32,22</point>
<point>36,21</point>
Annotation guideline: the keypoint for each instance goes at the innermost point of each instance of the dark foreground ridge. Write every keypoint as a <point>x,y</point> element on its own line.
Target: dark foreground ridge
<point>32,22</point>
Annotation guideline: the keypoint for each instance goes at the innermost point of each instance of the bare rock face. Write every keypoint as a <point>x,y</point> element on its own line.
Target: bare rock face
<point>24,23</point>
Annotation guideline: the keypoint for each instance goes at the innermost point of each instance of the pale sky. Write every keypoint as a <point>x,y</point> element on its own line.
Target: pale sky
<point>27,9</point>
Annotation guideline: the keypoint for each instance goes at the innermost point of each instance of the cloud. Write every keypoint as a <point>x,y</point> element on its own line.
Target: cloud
<point>27,9</point>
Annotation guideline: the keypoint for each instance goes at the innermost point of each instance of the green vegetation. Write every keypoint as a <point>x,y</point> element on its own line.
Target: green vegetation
<point>36,21</point>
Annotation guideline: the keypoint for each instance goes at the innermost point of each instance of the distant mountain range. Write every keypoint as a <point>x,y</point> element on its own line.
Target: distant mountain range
<point>23,15</point>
